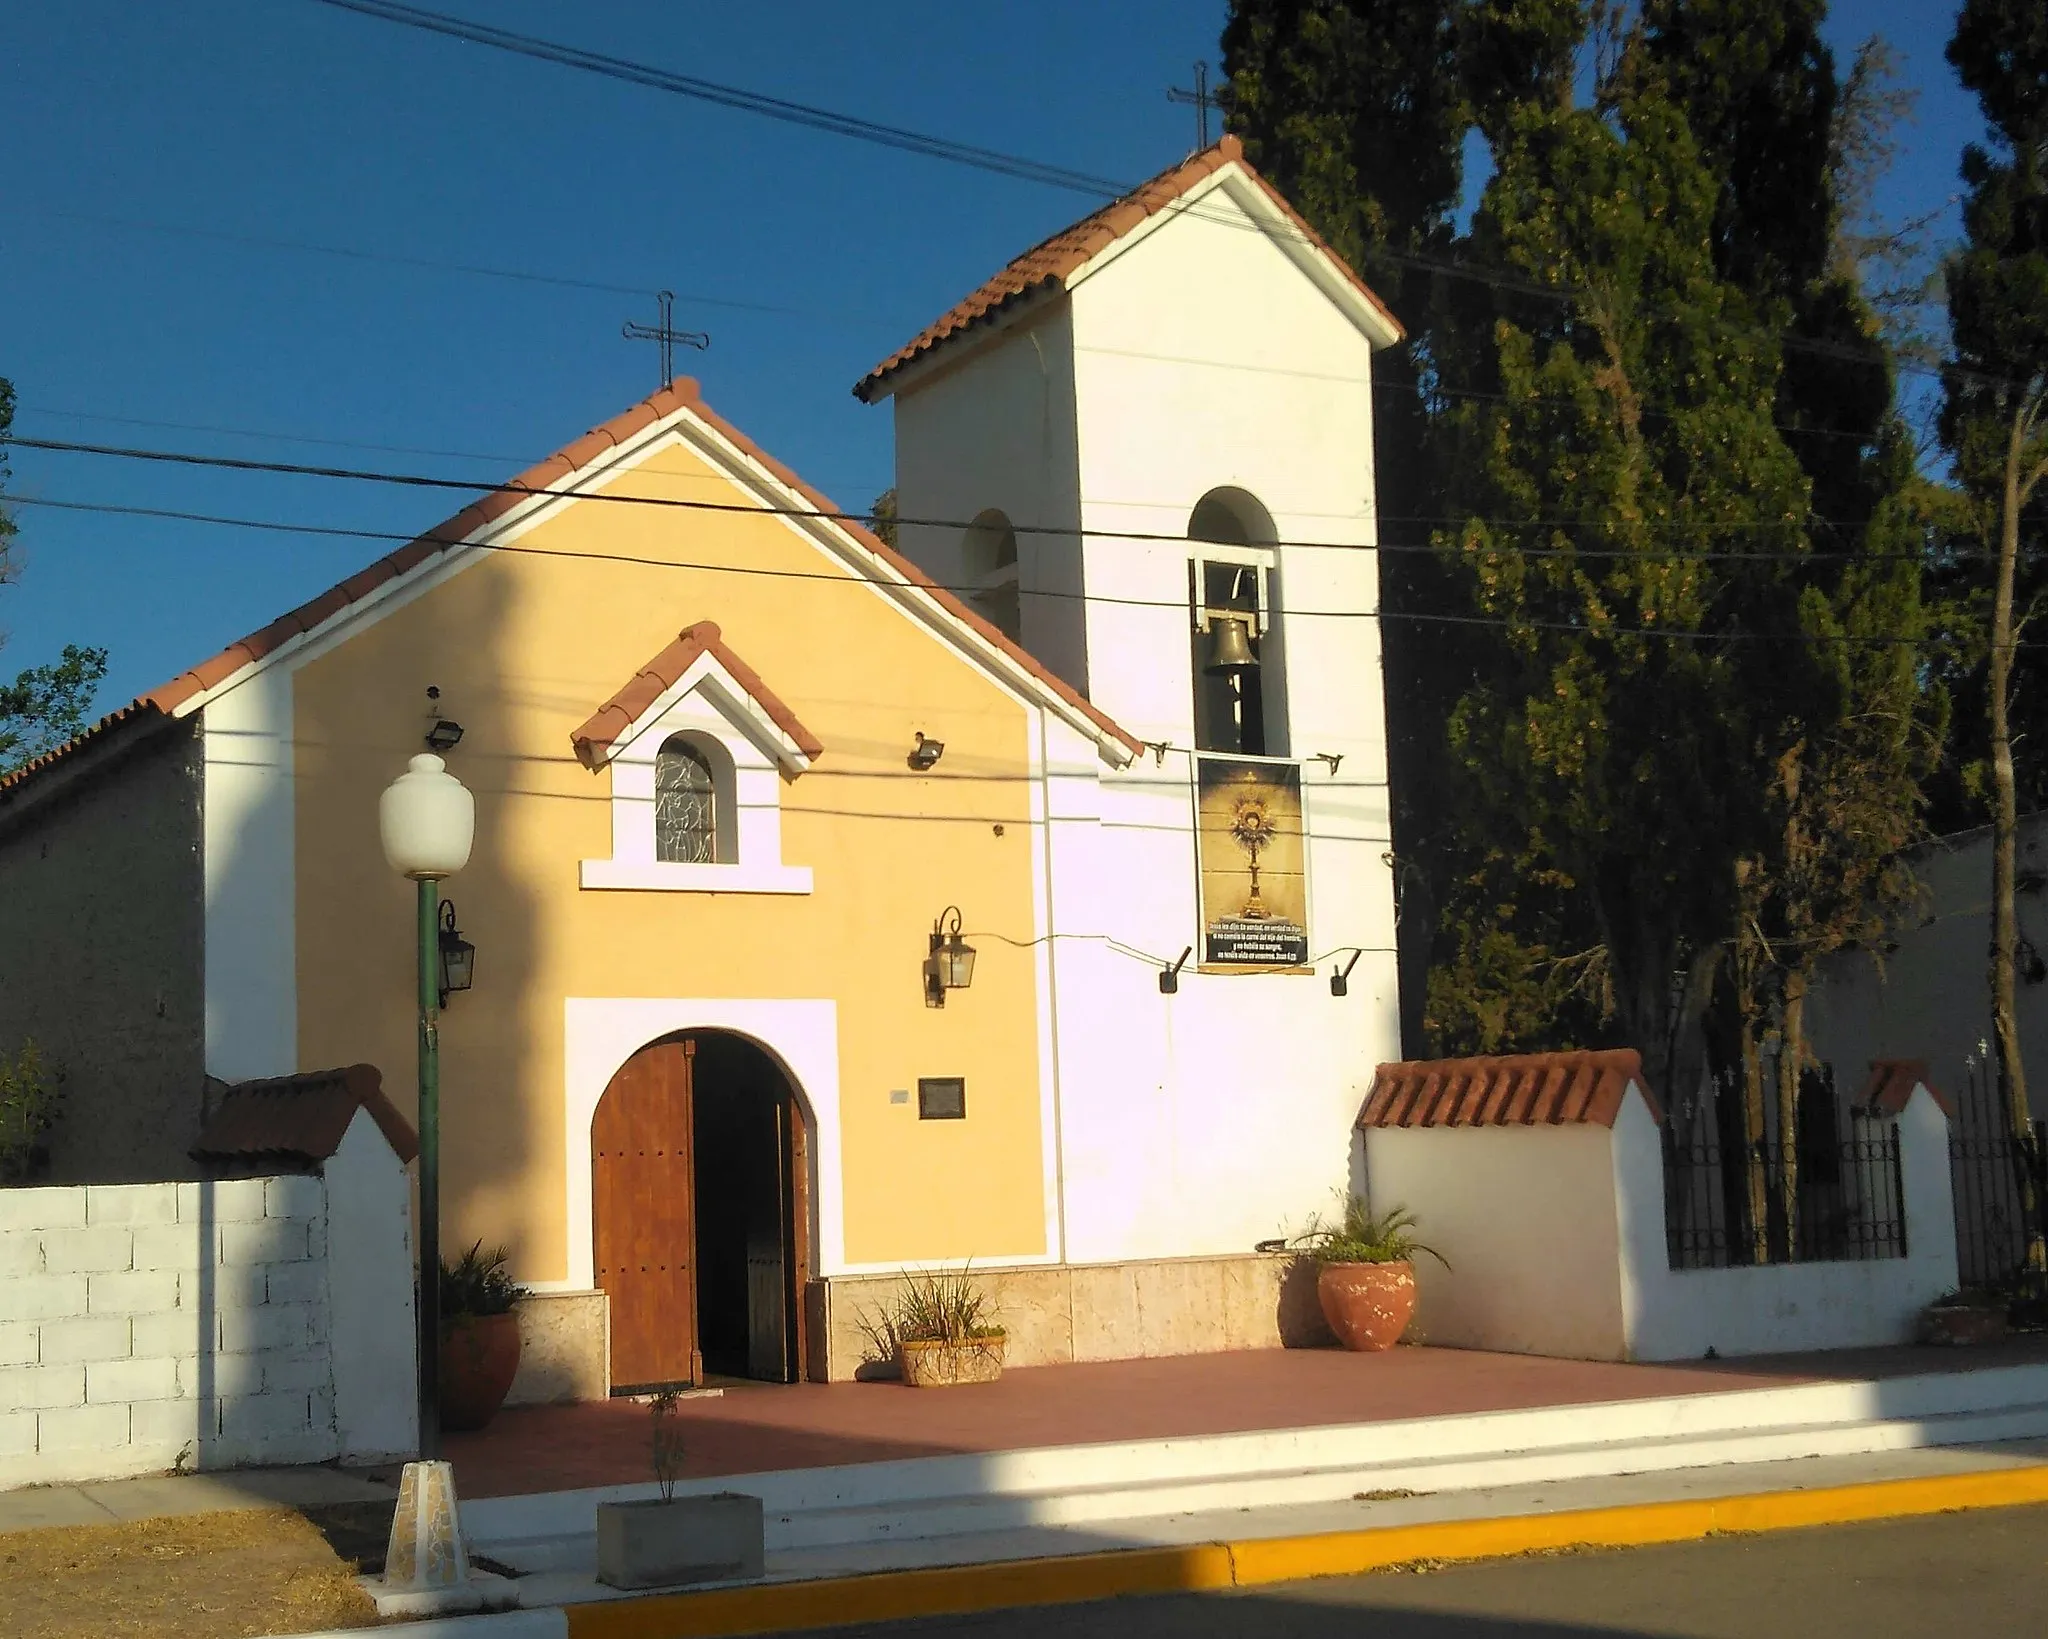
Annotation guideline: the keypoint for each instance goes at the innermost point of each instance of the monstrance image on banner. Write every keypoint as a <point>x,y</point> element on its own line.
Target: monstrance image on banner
<point>1249,857</point>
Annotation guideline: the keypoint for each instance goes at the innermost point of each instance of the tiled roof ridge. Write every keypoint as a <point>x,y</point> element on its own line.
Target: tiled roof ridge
<point>682,393</point>
<point>1890,1087</point>
<point>1507,1090</point>
<point>304,1115</point>
<point>1048,264</point>
<point>625,708</point>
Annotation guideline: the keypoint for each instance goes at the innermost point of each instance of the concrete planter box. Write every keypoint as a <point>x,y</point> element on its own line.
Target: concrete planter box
<point>656,1544</point>
<point>941,1365</point>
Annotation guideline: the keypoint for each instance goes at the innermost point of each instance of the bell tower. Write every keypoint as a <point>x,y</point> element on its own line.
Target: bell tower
<point>1150,439</point>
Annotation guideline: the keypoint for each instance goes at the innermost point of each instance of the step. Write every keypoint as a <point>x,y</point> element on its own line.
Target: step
<point>932,1496</point>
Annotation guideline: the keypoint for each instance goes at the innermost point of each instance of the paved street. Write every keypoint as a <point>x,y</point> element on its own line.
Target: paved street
<point>1983,1574</point>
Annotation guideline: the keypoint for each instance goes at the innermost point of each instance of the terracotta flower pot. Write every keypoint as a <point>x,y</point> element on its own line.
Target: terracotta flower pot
<point>941,1365</point>
<point>1368,1305</point>
<point>479,1356</point>
<point>1962,1324</point>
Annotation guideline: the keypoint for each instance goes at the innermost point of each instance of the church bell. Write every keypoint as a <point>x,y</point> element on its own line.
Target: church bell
<point>1230,648</point>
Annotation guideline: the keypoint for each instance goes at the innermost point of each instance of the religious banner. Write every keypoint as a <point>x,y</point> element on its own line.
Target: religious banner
<point>1249,860</point>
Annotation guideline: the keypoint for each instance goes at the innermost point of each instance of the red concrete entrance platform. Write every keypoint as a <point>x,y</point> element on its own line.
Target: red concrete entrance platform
<point>752,1429</point>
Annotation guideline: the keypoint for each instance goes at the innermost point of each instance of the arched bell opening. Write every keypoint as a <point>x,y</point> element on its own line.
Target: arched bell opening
<point>1233,576</point>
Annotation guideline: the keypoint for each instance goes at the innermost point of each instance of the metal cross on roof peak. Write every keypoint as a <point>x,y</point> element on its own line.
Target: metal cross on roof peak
<point>663,330</point>
<point>1203,99</point>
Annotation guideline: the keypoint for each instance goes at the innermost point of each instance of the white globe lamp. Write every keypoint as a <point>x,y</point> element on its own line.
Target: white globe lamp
<point>428,821</point>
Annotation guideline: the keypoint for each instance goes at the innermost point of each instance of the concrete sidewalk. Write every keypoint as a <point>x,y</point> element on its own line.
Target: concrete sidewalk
<point>162,1496</point>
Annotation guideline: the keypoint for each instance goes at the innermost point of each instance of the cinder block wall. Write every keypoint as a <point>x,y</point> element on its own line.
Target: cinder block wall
<point>154,1326</point>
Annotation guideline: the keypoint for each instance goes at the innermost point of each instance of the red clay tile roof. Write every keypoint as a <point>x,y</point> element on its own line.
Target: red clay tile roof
<point>682,393</point>
<point>1891,1086</point>
<point>659,675</point>
<point>301,1119</point>
<point>1045,268</point>
<point>1528,1090</point>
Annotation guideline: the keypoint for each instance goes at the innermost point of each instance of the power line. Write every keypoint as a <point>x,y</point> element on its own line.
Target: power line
<point>730,96</point>
<point>500,459</point>
<point>471,487</point>
<point>1576,628</point>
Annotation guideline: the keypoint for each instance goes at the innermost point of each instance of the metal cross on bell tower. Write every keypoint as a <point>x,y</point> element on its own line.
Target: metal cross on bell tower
<point>663,330</point>
<point>1203,99</point>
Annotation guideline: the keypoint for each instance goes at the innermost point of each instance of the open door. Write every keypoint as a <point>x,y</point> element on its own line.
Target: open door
<point>643,1201</point>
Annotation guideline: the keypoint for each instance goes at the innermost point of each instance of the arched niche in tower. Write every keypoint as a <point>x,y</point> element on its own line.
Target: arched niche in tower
<point>988,555</point>
<point>1235,649</point>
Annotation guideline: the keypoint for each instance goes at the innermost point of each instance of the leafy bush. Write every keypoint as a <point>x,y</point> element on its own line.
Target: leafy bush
<point>931,1308</point>
<point>1364,1237</point>
<point>478,1285</point>
<point>31,1095</point>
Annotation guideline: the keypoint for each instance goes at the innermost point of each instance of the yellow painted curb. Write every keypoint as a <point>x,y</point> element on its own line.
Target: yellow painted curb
<point>1205,1567</point>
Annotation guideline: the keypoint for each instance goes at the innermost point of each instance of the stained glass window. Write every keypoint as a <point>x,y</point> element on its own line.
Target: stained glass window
<point>685,807</point>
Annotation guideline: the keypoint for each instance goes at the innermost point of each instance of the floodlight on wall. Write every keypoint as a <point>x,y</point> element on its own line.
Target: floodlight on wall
<point>1169,976</point>
<point>444,734</point>
<point>458,955</point>
<point>927,752</point>
<point>950,965</point>
<point>1340,978</point>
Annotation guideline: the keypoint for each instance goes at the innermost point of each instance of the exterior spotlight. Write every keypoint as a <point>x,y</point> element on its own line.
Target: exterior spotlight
<point>1169,977</point>
<point>444,735</point>
<point>458,955</point>
<point>950,966</point>
<point>1340,978</point>
<point>927,753</point>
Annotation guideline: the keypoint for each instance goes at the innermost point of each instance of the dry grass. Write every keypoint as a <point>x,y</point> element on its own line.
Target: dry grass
<point>198,1576</point>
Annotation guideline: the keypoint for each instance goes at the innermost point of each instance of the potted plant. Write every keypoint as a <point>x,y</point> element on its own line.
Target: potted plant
<point>479,1337</point>
<point>1365,1276</point>
<point>939,1331</point>
<point>1965,1317</point>
<point>666,1540</point>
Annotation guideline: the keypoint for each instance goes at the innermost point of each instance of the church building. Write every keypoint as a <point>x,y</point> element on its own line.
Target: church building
<point>1016,894</point>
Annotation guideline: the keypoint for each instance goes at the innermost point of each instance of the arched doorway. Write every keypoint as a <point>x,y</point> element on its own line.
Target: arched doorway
<point>700,1209</point>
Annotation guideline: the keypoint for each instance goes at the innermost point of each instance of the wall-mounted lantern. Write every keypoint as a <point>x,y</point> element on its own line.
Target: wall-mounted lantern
<point>950,966</point>
<point>443,734</point>
<point>458,955</point>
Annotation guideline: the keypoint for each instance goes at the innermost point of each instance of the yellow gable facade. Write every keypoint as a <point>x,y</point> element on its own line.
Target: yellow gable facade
<point>788,964</point>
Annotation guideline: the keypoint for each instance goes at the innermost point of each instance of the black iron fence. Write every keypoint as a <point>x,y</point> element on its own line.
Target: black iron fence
<point>1744,1187</point>
<point>1766,1203</point>
<point>1999,1168</point>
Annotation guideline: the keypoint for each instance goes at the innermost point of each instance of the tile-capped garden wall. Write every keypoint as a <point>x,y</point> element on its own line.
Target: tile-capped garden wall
<point>176,1325</point>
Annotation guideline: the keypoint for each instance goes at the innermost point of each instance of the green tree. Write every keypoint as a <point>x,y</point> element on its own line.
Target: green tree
<point>1357,111</point>
<point>1614,748</point>
<point>1994,419</point>
<point>46,705</point>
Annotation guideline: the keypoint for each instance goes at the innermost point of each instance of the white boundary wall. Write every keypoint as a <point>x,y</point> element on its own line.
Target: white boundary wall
<point>1555,1237</point>
<point>207,1325</point>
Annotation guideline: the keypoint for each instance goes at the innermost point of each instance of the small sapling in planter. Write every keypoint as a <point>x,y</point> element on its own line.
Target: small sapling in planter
<point>939,1330</point>
<point>1365,1276</point>
<point>668,1540</point>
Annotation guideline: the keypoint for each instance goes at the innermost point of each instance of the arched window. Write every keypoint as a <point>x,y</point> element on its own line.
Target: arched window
<point>685,805</point>
<point>989,558</point>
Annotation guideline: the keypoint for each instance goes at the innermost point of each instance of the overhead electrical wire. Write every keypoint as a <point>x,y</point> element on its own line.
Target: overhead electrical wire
<point>580,554</point>
<point>297,469</point>
<point>1017,165</point>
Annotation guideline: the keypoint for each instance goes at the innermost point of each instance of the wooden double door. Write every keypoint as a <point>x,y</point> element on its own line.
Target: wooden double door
<point>700,1201</point>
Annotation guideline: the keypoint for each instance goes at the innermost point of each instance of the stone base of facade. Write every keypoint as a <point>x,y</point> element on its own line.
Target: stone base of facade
<point>1058,1313</point>
<point>564,1348</point>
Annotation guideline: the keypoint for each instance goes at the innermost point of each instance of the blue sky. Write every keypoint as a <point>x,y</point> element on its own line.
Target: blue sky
<point>806,256</point>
